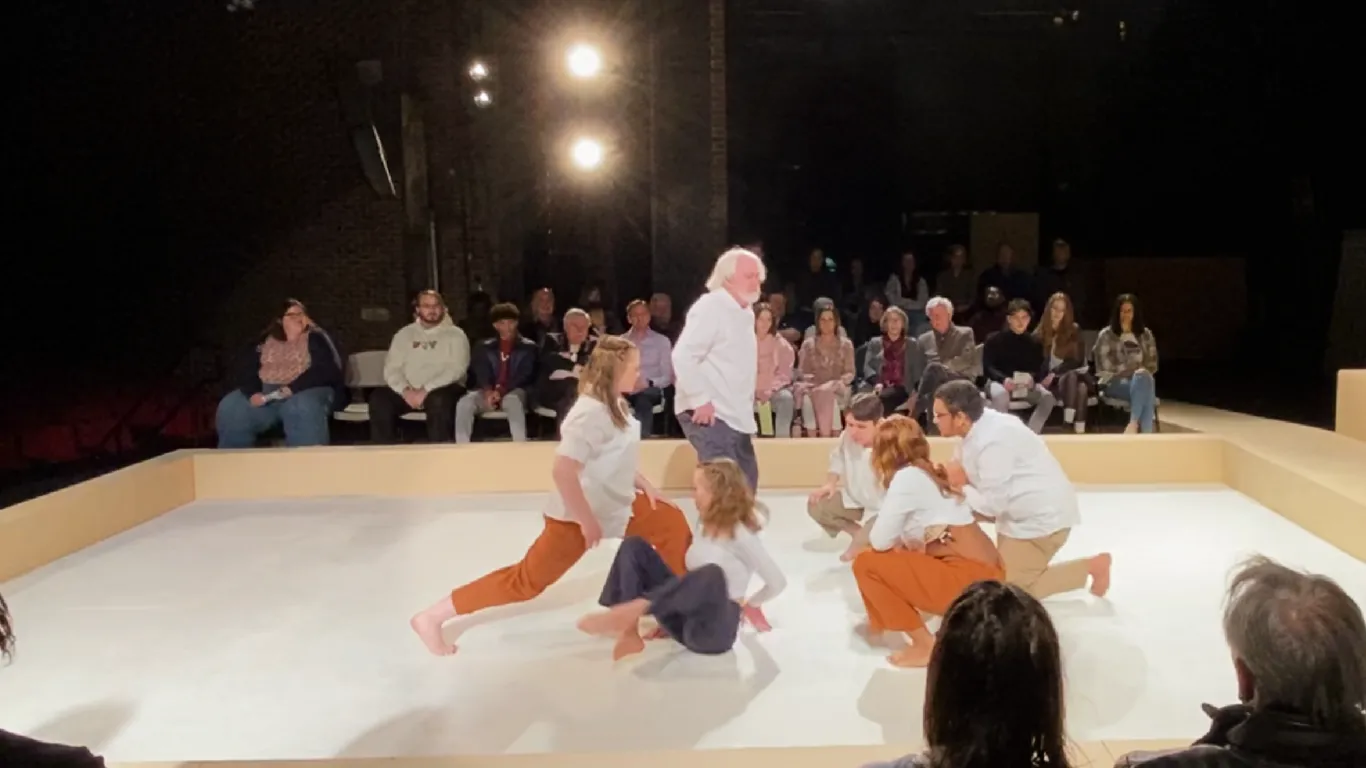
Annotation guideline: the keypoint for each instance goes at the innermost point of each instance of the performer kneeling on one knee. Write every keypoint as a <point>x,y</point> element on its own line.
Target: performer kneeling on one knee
<point>851,491</point>
<point>598,493</point>
<point>703,609</point>
<point>926,546</point>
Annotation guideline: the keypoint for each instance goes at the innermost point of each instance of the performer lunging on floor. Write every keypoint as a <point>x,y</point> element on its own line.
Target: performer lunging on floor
<point>716,362</point>
<point>598,494</point>
<point>703,609</point>
<point>1007,474</point>
<point>851,491</point>
<point>926,547</point>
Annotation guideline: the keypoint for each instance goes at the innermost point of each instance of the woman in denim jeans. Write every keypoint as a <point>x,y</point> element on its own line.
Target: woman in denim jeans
<point>1126,362</point>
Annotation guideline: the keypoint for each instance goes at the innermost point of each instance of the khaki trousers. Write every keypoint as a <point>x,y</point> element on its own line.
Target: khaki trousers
<point>832,515</point>
<point>1027,564</point>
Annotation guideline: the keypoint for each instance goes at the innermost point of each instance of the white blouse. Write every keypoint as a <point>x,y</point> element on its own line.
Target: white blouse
<point>912,508</point>
<point>739,558</point>
<point>853,464</point>
<point>609,456</point>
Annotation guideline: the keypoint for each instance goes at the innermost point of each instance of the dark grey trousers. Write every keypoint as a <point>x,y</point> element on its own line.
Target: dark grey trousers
<point>718,440</point>
<point>696,609</point>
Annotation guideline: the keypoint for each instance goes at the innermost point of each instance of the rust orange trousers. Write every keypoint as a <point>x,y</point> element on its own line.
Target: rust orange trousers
<point>561,545</point>
<point>898,584</point>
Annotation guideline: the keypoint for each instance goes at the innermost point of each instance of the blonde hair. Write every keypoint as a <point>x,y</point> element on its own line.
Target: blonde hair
<point>599,377</point>
<point>732,502</point>
<point>898,443</point>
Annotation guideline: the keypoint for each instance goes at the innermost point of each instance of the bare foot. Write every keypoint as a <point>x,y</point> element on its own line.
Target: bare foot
<point>871,636</point>
<point>657,633</point>
<point>429,630</point>
<point>1099,569</point>
<point>628,644</point>
<point>614,621</point>
<point>855,549</point>
<point>913,656</point>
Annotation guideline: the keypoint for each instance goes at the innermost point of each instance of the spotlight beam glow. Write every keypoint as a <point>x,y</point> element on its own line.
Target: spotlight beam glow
<point>587,154</point>
<point>584,61</point>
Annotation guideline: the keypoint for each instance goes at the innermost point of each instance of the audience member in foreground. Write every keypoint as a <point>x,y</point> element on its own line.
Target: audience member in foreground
<point>1299,653</point>
<point>994,688</point>
<point>290,380</point>
<point>852,489</point>
<point>1126,361</point>
<point>703,608</point>
<point>1007,474</point>
<point>503,368</point>
<point>599,494</point>
<point>715,364</point>
<point>21,751</point>
<point>425,369</point>
<point>926,546</point>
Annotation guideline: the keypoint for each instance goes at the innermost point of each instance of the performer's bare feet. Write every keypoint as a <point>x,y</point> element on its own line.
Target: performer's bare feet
<point>428,629</point>
<point>629,644</point>
<point>855,549</point>
<point>657,633</point>
<point>917,652</point>
<point>616,620</point>
<point>1098,568</point>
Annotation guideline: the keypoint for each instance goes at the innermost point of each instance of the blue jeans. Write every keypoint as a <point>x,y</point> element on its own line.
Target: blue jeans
<point>1141,394</point>
<point>305,417</point>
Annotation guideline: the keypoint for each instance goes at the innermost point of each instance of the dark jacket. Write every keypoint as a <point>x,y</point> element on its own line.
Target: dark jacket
<point>554,392</point>
<point>324,369</point>
<point>1241,738</point>
<point>484,361</point>
<point>1070,363</point>
<point>1007,353</point>
<point>16,750</point>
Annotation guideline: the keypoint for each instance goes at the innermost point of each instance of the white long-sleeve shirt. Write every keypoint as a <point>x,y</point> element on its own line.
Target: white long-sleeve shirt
<point>716,360</point>
<point>912,506</point>
<point>427,358</point>
<point>609,456</point>
<point>1014,478</point>
<point>859,486</point>
<point>739,558</point>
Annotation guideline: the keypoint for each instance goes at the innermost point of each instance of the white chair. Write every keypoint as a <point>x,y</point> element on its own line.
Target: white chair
<point>364,370</point>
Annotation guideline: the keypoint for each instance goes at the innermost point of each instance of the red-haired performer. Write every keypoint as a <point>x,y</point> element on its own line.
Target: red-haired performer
<point>599,494</point>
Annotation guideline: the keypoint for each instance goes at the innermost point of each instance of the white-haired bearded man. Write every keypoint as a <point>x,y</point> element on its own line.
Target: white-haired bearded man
<point>715,363</point>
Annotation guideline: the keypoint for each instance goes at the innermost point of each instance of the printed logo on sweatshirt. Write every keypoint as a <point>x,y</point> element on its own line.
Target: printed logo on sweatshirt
<point>427,345</point>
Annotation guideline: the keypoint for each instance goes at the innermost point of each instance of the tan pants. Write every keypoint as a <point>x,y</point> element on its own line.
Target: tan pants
<point>832,515</point>
<point>1027,564</point>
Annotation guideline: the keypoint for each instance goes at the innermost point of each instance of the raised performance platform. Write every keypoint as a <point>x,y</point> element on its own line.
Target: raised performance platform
<point>252,606</point>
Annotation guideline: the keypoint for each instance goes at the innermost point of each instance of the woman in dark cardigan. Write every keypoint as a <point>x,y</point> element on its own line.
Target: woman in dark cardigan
<point>1067,376</point>
<point>292,379</point>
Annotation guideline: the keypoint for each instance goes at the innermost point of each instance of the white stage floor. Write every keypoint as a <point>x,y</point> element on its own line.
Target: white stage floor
<point>280,630</point>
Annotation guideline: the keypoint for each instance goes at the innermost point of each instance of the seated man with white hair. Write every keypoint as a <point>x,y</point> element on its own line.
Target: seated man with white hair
<point>948,352</point>
<point>1298,643</point>
<point>716,361</point>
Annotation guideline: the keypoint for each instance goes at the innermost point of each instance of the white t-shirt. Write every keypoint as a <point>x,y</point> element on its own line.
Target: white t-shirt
<point>859,486</point>
<point>914,504</point>
<point>609,456</point>
<point>739,558</point>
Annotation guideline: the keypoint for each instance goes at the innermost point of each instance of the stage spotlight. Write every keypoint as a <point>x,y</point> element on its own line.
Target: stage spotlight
<point>483,99</point>
<point>587,154</point>
<point>584,61</point>
<point>478,71</point>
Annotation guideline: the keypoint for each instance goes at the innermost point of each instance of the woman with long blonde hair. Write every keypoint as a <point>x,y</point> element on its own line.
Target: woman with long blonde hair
<point>704,608</point>
<point>1067,377</point>
<point>926,547</point>
<point>599,493</point>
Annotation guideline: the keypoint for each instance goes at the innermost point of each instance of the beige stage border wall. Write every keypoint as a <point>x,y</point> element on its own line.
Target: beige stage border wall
<point>1350,418</point>
<point>1095,754</point>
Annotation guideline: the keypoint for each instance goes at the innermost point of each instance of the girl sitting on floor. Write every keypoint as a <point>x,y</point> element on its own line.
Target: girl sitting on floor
<point>702,609</point>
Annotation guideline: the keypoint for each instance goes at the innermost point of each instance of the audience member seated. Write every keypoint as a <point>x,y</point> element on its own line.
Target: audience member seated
<point>991,316</point>
<point>1067,378</point>
<point>1299,655</point>
<point>868,322</point>
<point>22,752</point>
<point>1012,280</point>
<point>773,382</point>
<point>476,324</point>
<point>857,290</point>
<point>947,353</point>
<point>604,322</point>
<point>503,369</point>
<point>886,363</point>
<point>782,321</point>
<point>957,282</point>
<point>292,379</point>
<point>542,320</point>
<point>818,281</point>
<point>822,304</point>
<point>662,317</point>
<point>1061,275</point>
<point>826,363</point>
<point>562,357</point>
<point>1126,362</point>
<point>994,687</point>
<point>1014,364</point>
<point>907,289</point>
<point>656,366</point>
<point>425,370</point>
